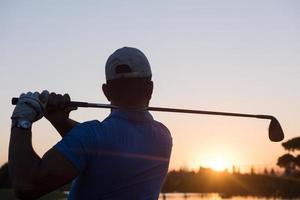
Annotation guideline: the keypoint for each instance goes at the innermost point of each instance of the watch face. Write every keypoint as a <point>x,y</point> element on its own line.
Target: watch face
<point>24,124</point>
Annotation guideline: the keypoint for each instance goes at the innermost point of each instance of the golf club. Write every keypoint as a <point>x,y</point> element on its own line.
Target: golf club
<point>275,131</point>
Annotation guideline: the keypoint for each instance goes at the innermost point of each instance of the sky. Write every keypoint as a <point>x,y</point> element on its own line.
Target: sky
<point>233,55</point>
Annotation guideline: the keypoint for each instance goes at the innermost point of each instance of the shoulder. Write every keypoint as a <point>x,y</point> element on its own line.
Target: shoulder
<point>162,128</point>
<point>84,131</point>
<point>164,137</point>
<point>161,125</point>
<point>89,125</point>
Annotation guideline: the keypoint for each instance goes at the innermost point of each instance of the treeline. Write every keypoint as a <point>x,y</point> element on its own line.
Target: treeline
<point>231,184</point>
<point>209,181</point>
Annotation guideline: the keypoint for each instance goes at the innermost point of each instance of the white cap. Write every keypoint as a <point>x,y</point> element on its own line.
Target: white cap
<point>127,62</point>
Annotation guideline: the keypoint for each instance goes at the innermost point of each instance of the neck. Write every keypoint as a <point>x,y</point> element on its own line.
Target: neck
<point>130,106</point>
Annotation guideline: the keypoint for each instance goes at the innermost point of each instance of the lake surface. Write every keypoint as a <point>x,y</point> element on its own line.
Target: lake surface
<point>209,196</point>
<point>8,194</point>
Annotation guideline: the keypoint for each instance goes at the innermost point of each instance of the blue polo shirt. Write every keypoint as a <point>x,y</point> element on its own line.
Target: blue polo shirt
<point>126,156</point>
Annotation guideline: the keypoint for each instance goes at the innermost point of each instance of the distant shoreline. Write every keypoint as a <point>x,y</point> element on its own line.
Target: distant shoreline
<point>228,184</point>
<point>205,181</point>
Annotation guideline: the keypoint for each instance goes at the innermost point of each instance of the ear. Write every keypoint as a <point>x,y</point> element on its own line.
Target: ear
<point>106,91</point>
<point>149,90</point>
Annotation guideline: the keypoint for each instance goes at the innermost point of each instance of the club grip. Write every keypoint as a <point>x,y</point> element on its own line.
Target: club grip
<point>15,100</point>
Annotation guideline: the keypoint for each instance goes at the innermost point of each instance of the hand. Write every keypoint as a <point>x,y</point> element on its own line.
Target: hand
<point>57,109</point>
<point>31,106</point>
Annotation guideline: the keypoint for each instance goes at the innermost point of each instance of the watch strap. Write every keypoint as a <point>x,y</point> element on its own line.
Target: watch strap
<point>21,123</point>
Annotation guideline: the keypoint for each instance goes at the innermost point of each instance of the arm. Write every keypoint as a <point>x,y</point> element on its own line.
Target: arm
<point>58,114</point>
<point>33,176</point>
<point>63,126</point>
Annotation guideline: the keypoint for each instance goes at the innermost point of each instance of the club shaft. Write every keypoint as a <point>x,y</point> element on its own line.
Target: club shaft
<point>179,110</point>
<point>205,112</point>
<point>161,109</point>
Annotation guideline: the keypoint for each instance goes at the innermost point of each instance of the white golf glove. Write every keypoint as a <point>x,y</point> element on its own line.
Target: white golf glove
<point>31,106</point>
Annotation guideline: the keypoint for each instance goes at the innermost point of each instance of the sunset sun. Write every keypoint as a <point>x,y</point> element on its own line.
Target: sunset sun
<point>218,162</point>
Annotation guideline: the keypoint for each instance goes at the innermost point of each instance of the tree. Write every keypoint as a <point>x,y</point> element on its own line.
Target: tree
<point>292,144</point>
<point>266,171</point>
<point>287,161</point>
<point>272,172</point>
<point>290,163</point>
<point>252,170</point>
<point>297,160</point>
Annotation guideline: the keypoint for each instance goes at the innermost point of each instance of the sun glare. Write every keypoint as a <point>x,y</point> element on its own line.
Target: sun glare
<point>218,160</point>
<point>218,163</point>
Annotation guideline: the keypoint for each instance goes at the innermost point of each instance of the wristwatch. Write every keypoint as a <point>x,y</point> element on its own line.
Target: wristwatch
<point>21,123</point>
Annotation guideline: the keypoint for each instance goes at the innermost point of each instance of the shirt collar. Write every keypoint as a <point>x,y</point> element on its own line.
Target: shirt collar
<point>141,116</point>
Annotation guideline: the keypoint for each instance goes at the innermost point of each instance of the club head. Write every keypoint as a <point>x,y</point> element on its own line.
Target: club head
<point>275,131</point>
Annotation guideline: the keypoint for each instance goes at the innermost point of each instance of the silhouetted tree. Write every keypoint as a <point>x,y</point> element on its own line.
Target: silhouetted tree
<point>297,160</point>
<point>289,162</point>
<point>266,171</point>
<point>252,170</point>
<point>292,144</point>
<point>272,172</point>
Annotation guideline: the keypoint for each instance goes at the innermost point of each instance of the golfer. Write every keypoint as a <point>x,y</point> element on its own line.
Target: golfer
<point>126,156</point>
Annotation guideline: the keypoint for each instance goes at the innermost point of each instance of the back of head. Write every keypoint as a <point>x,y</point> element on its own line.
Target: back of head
<point>128,78</point>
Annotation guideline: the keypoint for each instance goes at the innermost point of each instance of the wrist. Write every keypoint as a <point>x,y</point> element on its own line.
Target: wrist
<point>58,120</point>
<point>21,123</point>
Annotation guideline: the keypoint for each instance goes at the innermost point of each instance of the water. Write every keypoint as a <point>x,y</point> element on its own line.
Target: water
<point>209,196</point>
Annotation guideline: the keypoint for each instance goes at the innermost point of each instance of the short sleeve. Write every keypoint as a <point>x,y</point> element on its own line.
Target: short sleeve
<point>73,146</point>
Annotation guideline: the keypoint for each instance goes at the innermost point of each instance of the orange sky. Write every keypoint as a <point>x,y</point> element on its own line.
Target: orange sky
<point>224,56</point>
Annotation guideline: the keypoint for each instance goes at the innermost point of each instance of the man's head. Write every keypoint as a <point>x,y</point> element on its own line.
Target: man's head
<point>128,78</point>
